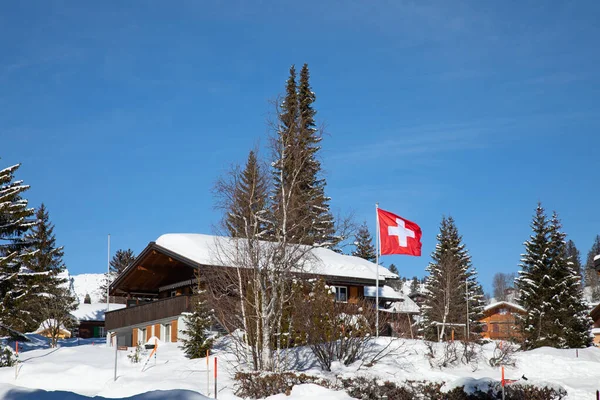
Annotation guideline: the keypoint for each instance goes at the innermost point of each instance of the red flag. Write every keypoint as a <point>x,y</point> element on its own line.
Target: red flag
<point>398,235</point>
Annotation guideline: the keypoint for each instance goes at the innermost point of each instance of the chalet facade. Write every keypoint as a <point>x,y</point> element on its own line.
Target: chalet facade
<point>595,314</point>
<point>158,286</point>
<point>499,321</point>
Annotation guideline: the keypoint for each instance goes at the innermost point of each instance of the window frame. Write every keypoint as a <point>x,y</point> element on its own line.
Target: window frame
<point>338,291</point>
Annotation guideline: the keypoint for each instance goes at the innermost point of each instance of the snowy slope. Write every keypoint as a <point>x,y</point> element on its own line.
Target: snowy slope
<point>88,283</point>
<point>88,370</point>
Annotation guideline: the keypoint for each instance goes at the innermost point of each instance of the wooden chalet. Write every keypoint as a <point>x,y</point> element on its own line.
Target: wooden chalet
<point>499,321</point>
<point>595,314</point>
<point>158,286</point>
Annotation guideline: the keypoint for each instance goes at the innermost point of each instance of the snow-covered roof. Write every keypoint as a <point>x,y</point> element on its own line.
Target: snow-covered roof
<point>385,292</point>
<point>402,303</point>
<point>596,331</point>
<point>597,257</point>
<point>206,249</point>
<point>503,304</point>
<point>49,323</point>
<point>94,311</point>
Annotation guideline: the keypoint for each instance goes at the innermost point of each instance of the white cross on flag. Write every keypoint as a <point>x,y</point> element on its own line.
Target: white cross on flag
<point>398,235</point>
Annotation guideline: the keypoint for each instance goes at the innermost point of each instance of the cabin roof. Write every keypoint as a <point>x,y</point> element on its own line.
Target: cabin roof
<point>209,250</point>
<point>504,304</point>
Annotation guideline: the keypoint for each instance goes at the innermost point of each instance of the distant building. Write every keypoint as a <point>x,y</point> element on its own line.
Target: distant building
<point>499,321</point>
<point>595,314</point>
<point>90,319</point>
<point>48,326</point>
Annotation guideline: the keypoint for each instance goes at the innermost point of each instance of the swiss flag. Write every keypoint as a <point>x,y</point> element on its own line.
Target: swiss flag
<point>398,235</point>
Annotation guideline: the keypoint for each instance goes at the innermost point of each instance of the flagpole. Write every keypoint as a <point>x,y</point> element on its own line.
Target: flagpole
<point>108,276</point>
<point>378,240</point>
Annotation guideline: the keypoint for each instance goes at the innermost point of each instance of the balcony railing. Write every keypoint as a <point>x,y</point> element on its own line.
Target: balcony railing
<point>147,312</point>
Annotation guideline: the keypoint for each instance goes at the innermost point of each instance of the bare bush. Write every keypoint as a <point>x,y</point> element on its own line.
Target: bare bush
<point>504,354</point>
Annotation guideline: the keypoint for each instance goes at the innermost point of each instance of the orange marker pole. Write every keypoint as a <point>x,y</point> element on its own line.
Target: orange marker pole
<point>17,363</point>
<point>215,377</point>
<point>207,375</point>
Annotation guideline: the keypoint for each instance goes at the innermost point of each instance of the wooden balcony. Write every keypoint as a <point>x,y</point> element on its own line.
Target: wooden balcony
<point>152,311</point>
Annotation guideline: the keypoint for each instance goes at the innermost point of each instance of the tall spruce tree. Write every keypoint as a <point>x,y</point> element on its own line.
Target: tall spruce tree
<point>15,220</point>
<point>300,206</point>
<point>48,285</point>
<point>364,244</point>
<point>592,281</point>
<point>120,260</point>
<point>394,270</point>
<point>246,211</point>
<point>549,289</point>
<point>453,294</point>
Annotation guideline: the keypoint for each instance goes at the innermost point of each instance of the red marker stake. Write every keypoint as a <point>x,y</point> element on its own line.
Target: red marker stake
<point>215,377</point>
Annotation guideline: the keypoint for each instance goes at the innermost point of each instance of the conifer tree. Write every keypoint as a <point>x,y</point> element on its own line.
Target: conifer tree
<point>364,244</point>
<point>47,286</point>
<point>246,211</point>
<point>121,260</point>
<point>452,282</point>
<point>414,285</point>
<point>592,281</point>
<point>549,289</point>
<point>87,299</point>
<point>196,340</point>
<point>572,322</point>
<point>299,188</point>
<point>394,270</point>
<point>15,220</point>
<point>575,257</point>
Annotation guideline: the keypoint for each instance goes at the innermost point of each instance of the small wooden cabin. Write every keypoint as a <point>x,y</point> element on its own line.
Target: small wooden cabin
<point>595,314</point>
<point>499,321</point>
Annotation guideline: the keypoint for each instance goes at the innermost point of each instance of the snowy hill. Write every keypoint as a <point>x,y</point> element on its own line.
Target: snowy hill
<point>88,283</point>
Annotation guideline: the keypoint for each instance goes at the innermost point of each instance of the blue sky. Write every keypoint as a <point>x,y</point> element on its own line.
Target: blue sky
<point>124,114</point>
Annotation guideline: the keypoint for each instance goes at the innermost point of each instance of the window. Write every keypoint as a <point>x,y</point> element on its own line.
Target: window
<point>503,311</point>
<point>341,294</point>
<point>101,332</point>
<point>173,293</point>
<point>142,335</point>
<point>495,328</point>
<point>167,335</point>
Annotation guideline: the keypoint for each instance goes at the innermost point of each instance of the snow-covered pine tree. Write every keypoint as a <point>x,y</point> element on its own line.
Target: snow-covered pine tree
<point>245,213</point>
<point>363,243</point>
<point>592,281</point>
<point>121,260</point>
<point>451,279</point>
<point>15,220</point>
<point>196,339</point>
<point>48,286</point>
<point>533,282</point>
<point>574,255</point>
<point>567,313</point>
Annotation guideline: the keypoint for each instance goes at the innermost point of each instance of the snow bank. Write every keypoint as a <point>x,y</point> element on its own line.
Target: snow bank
<point>16,393</point>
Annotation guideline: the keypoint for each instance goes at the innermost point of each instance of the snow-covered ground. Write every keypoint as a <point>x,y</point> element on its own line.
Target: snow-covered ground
<point>87,370</point>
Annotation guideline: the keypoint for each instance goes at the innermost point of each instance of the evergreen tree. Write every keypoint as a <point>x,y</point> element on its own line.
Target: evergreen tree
<point>414,285</point>
<point>121,260</point>
<point>196,340</point>
<point>47,285</point>
<point>364,244</point>
<point>87,299</point>
<point>321,231</point>
<point>301,209</point>
<point>575,257</point>
<point>451,279</point>
<point>246,211</point>
<point>394,270</point>
<point>549,289</point>
<point>592,281</point>
<point>15,220</point>
<point>572,322</point>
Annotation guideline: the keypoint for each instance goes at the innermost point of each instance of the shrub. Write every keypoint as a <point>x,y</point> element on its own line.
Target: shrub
<point>136,355</point>
<point>8,358</point>
<point>257,385</point>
